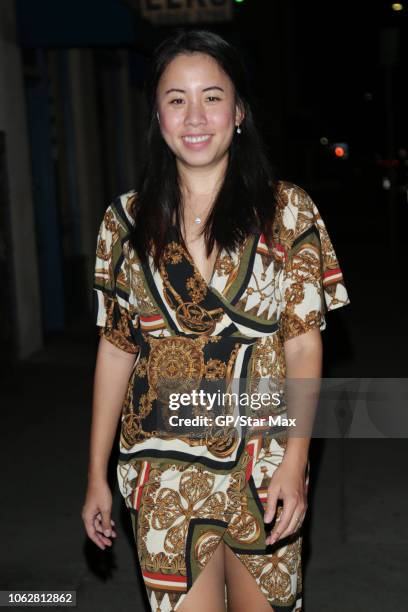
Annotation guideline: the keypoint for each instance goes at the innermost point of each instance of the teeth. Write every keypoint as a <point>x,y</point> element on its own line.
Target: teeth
<point>196,138</point>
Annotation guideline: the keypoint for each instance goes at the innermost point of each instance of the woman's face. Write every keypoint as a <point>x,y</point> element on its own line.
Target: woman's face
<point>195,98</point>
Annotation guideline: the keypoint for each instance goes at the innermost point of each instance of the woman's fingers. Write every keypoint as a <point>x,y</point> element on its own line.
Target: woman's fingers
<point>98,539</point>
<point>282,522</point>
<point>96,526</point>
<point>99,516</point>
<point>106,522</point>
<point>288,522</point>
<point>99,527</point>
<point>272,500</point>
<point>296,521</point>
<point>96,514</point>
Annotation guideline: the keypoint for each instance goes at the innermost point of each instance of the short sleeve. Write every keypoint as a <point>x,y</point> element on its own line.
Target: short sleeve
<point>116,317</point>
<point>312,282</point>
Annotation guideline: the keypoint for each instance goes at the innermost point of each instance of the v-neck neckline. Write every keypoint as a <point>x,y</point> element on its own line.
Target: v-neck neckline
<point>209,284</point>
<point>190,258</point>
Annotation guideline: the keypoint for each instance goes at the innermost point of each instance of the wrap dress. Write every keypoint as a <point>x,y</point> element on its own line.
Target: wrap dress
<point>187,490</point>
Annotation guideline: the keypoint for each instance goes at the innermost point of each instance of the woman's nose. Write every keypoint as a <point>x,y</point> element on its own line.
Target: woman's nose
<point>195,114</point>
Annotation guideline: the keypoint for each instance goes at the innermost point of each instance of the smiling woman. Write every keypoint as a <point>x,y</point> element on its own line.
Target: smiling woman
<point>211,272</point>
<point>222,186</point>
<point>201,118</point>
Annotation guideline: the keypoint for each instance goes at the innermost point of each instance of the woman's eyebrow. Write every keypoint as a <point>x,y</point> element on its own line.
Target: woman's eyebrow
<point>184,91</point>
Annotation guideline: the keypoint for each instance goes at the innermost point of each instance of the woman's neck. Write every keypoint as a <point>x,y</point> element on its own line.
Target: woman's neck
<point>199,185</point>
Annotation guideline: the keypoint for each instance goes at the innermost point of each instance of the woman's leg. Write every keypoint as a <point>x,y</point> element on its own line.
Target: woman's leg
<point>243,593</point>
<point>208,592</point>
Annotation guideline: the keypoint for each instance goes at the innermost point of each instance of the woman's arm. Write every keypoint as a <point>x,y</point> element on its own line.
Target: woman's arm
<point>303,357</point>
<point>112,373</point>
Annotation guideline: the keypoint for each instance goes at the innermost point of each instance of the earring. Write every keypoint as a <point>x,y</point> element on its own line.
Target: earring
<point>238,129</point>
<point>158,118</point>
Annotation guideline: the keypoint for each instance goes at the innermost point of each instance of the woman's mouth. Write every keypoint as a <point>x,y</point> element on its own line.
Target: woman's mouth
<point>196,142</point>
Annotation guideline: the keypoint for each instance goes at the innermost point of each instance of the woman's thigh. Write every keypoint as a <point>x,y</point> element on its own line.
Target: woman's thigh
<point>208,591</point>
<point>243,593</point>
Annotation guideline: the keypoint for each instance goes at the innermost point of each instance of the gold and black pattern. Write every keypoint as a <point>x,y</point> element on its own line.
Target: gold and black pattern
<point>224,265</point>
<point>184,288</point>
<point>173,253</point>
<point>119,328</point>
<point>215,369</point>
<point>189,491</point>
<point>176,365</point>
<point>117,317</point>
<point>196,287</point>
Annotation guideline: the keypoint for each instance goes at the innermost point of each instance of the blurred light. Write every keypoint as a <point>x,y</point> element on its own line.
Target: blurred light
<point>388,163</point>
<point>340,149</point>
<point>396,6</point>
<point>324,140</point>
<point>368,96</point>
<point>239,1</point>
<point>386,183</point>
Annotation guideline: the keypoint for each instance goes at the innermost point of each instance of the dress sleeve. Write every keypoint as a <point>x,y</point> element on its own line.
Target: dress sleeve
<point>312,280</point>
<point>116,317</point>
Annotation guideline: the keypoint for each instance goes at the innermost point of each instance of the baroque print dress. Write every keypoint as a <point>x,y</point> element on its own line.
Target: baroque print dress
<point>189,489</point>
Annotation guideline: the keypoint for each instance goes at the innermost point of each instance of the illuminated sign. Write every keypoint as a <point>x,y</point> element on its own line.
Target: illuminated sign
<point>172,12</point>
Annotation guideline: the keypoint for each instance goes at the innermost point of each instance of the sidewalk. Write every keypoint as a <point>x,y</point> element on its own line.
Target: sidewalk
<point>355,533</point>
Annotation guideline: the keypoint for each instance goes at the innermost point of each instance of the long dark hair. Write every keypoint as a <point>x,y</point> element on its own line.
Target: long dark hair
<point>246,200</point>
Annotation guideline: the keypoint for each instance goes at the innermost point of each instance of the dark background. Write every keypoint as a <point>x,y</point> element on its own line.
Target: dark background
<point>324,73</point>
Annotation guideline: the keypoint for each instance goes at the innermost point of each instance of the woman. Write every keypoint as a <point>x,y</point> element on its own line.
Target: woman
<point>211,272</point>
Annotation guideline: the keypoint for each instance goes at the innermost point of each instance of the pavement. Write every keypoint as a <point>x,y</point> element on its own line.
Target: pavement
<point>355,554</point>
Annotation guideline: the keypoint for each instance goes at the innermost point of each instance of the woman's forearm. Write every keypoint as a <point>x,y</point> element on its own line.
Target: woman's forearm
<point>112,372</point>
<point>303,373</point>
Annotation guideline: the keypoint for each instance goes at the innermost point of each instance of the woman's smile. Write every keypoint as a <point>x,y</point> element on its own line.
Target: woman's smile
<point>196,143</point>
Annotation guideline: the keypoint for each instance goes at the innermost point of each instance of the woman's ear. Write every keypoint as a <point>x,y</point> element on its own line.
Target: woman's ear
<point>239,113</point>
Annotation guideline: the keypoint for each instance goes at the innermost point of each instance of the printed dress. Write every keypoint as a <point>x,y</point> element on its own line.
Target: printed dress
<point>189,490</point>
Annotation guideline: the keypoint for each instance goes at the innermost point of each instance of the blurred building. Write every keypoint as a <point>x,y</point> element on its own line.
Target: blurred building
<point>71,117</point>
<point>72,120</point>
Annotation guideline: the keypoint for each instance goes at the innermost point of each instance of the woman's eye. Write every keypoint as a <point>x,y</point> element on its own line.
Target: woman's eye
<point>177,100</point>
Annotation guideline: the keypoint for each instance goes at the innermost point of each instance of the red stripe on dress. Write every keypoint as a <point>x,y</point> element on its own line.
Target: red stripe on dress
<point>148,319</point>
<point>159,325</point>
<point>280,248</point>
<point>139,486</point>
<point>250,451</point>
<point>166,577</point>
<point>331,272</point>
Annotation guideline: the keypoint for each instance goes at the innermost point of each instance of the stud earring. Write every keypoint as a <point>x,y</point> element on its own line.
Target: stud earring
<point>238,129</point>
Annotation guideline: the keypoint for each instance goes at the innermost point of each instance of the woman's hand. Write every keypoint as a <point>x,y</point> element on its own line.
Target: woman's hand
<point>288,482</point>
<point>96,513</point>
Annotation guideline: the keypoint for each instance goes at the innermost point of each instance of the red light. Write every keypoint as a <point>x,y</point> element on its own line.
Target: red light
<point>388,163</point>
<point>339,152</point>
